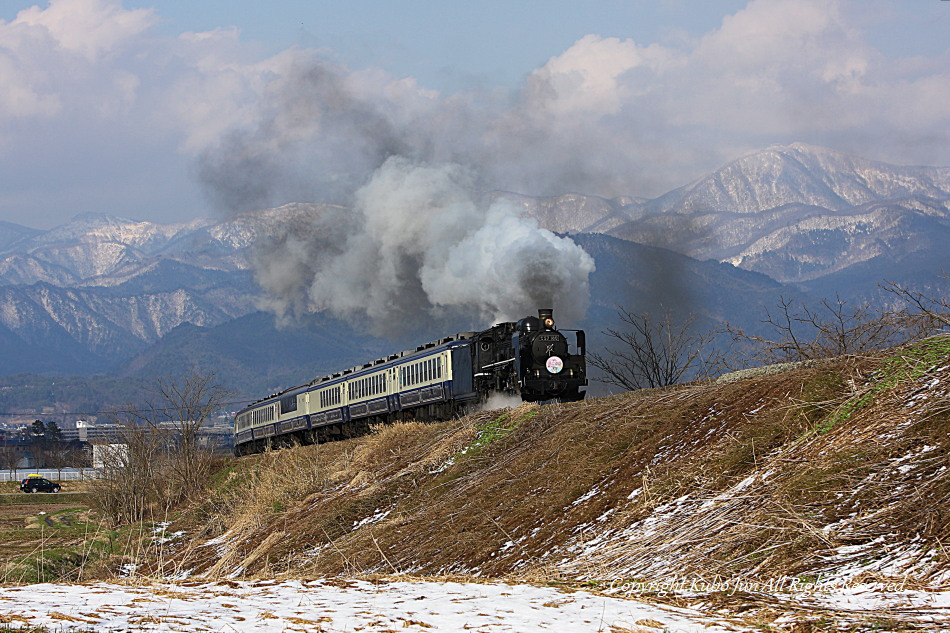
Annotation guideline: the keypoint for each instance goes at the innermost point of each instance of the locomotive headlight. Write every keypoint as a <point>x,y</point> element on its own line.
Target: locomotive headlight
<point>549,323</point>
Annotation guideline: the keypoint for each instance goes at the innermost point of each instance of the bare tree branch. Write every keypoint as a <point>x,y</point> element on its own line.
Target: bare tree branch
<point>832,328</point>
<point>932,307</point>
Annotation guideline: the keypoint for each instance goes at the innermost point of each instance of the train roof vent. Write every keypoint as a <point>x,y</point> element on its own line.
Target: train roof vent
<point>367,365</point>
<point>393,357</point>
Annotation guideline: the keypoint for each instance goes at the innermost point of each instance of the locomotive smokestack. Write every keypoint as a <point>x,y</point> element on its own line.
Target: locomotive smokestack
<point>547,318</point>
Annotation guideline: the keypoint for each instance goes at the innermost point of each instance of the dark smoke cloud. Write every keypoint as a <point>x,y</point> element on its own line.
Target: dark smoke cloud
<point>314,139</point>
<point>417,243</point>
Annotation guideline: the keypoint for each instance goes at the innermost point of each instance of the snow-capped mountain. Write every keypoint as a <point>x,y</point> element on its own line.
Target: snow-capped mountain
<point>797,213</point>
<point>89,294</point>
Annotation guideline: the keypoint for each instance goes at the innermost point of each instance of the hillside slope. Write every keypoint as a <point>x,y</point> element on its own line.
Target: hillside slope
<point>835,472</point>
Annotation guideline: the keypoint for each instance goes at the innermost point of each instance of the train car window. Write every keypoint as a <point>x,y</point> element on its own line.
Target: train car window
<point>288,404</point>
<point>330,397</point>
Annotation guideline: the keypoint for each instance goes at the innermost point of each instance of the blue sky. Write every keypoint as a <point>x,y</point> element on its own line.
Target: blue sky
<point>444,44</point>
<point>172,110</point>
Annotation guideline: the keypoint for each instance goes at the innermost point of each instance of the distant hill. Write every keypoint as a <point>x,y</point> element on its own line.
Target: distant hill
<point>253,356</point>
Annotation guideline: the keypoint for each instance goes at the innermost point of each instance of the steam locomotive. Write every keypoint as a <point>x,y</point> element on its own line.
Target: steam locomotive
<point>531,359</point>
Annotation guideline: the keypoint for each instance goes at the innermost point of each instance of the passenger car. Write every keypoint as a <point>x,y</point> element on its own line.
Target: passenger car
<point>36,483</point>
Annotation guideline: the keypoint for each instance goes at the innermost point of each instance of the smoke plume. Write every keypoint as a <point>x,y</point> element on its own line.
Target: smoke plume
<point>418,244</point>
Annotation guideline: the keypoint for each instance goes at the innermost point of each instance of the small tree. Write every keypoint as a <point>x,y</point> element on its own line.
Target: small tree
<point>188,404</point>
<point>655,352</point>
<point>58,456</point>
<point>39,446</point>
<point>9,456</point>
<point>52,432</point>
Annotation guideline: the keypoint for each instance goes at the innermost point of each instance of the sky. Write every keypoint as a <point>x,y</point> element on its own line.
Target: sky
<point>172,110</point>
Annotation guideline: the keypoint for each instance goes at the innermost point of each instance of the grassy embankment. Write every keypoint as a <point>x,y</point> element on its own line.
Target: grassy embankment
<point>833,470</point>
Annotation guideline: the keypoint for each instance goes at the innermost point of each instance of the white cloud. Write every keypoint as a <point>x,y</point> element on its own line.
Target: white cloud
<point>606,116</point>
<point>587,78</point>
<point>90,28</point>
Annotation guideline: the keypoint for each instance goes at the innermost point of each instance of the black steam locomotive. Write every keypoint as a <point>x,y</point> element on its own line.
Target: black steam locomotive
<point>531,359</point>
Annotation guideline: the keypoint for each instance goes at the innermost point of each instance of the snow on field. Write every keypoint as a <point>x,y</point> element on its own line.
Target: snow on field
<point>330,606</point>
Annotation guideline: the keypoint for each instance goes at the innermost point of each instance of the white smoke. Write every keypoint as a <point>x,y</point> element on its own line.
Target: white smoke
<point>500,401</point>
<point>418,244</point>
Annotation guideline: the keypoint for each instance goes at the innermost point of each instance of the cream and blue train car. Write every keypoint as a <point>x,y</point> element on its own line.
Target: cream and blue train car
<point>434,381</point>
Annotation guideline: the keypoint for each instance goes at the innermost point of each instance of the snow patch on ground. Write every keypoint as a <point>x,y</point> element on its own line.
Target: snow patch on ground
<point>329,606</point>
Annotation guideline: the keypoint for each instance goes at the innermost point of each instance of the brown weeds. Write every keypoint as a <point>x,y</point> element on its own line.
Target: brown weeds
<point>764,478</point>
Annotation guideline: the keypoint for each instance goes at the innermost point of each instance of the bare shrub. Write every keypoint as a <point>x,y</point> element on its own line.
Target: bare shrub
<point>832,328</point>
<point>656,351</point>
<point>158,461</point>
<point>131,485</point>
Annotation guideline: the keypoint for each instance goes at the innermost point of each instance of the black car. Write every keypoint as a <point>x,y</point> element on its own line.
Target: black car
<point>38,484</point>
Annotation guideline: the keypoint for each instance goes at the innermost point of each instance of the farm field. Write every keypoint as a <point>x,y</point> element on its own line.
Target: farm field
<point>46,536</point>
